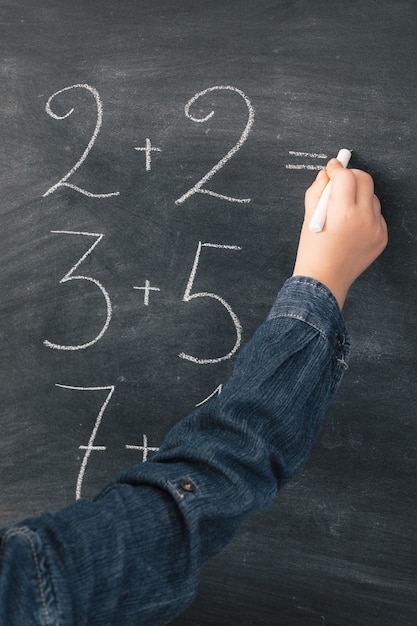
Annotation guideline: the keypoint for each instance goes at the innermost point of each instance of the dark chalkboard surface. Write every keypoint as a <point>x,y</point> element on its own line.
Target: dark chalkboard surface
<point>154,157</point>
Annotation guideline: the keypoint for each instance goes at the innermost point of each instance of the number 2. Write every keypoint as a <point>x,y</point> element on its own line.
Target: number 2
<point>63,182</point>
<point>199,186</point>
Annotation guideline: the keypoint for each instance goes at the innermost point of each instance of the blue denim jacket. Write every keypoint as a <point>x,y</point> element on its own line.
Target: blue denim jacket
<point>133,554</point>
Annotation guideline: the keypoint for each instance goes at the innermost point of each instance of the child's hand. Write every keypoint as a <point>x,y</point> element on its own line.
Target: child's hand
<point>354,234</point>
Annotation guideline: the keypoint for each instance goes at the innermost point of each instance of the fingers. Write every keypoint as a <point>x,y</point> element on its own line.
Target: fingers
<point>365,189</point>
<point>352,186</point>
<point>347,185</point>
<point>344,182</point>
<point>376,205</point>
<point>315,190</point>
<point>355,186</point>
<point>356,189</point>
<point>333,166</point>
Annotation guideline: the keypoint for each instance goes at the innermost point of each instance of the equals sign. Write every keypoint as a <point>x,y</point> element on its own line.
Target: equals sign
<point>306,166</point>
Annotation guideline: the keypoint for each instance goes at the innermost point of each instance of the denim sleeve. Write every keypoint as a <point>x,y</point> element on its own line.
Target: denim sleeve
<point>133,554</point>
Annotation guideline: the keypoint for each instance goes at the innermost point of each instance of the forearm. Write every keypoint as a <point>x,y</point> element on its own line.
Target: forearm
<point>259,431</point>
<point>134,554</point>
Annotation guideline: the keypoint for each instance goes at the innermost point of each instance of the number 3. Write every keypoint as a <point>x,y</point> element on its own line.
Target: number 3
<point>68,277</point>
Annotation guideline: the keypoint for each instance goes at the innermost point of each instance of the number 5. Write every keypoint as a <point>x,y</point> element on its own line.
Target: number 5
<point>188,296</point>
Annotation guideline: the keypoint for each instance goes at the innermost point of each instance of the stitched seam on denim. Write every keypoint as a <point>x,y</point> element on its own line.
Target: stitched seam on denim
<point>319,330</point>
<point>326,292</point>
<point>301,319</point>
<point>179,494</point>
<point>26,533</point>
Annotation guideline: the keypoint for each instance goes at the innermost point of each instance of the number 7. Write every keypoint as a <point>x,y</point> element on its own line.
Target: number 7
<point>189,296</point>
<point>90,447</point>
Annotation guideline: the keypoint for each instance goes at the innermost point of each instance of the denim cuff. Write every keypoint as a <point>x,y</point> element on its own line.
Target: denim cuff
<point>309,301</point>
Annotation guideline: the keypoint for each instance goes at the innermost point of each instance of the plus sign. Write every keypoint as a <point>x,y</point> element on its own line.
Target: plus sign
<point>147,289</point>
<point>92,448</point>
<point>145,448</point>
<point>148,149</point>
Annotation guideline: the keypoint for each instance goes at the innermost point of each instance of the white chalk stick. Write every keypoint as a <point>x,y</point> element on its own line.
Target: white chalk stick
<point>319,216</point>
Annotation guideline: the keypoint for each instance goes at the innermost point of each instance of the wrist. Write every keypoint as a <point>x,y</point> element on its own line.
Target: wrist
<point>334,285</point>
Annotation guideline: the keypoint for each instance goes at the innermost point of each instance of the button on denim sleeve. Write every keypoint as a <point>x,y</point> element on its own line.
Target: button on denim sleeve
<point>133,555</point>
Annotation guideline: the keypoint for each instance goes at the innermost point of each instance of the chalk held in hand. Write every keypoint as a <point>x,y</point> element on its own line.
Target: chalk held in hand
<point>320,212</point>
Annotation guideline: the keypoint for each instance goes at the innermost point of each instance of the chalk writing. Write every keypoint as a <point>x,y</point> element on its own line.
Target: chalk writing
<point>198,187</point>
<point>147,289</point>
<point>306,166</point>
<point>70,277</point>
<point>90,447</point>
<point>63,181</point>
<point>148,149</point>
<point>188,297</point>
<point>144,448</point>
<point>215,393</point>
<point>74,275</point>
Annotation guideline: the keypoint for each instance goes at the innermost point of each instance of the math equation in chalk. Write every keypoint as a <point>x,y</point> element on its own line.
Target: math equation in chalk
<point>148,149</point>
<point>147,290</point>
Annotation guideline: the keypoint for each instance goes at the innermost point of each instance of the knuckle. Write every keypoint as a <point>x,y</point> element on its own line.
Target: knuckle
<point>365,178</point>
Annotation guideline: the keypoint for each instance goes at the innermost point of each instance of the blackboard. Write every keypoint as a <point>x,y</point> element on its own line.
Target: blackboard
<point>154,158</point>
